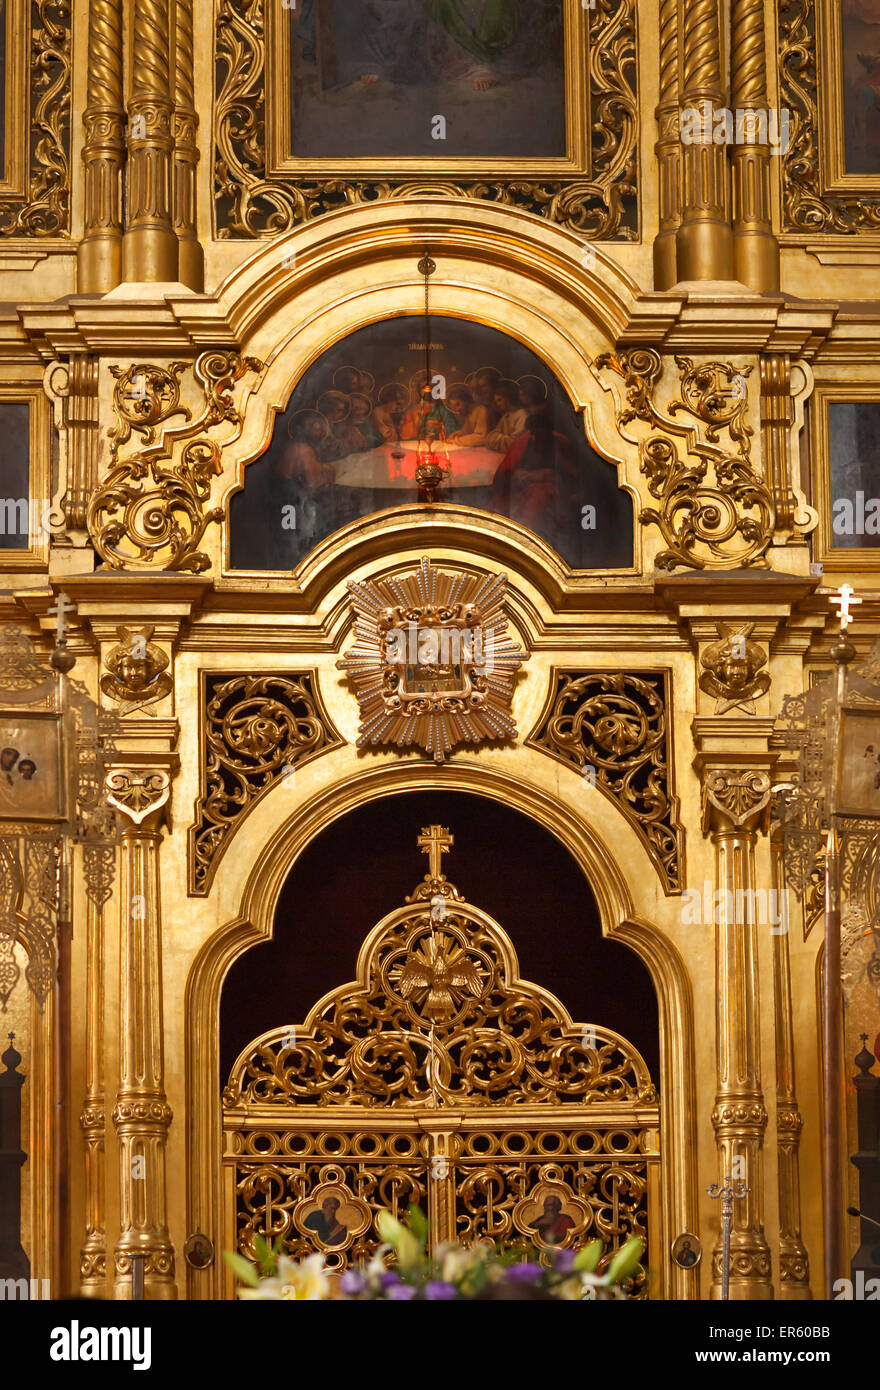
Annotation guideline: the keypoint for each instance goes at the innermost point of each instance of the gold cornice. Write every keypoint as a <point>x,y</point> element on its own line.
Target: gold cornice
<point>163,324</point>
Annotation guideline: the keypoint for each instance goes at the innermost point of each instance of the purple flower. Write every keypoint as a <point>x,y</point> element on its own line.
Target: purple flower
<point>438,1288</point>
<point>564,1261</point>
<point>399,1293</point>
<point>528,1273</point>
<point>386,1280</point>
<point>352,1282</point>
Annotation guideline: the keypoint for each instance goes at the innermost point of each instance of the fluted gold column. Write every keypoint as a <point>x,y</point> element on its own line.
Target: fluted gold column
<point>141,1115</point>
<point>735,806</point>
<point>794,1265</point>
<point>149,248</point>
<point>99,254</point>
<point>93,1253</point>
<point>191,270</point>
<point>755,248</point>
<point>704,245</point>
<point>668,148</point>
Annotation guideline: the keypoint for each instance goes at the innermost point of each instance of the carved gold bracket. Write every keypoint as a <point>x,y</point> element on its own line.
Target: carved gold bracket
<point>149,510</point>
<point>714,512</point>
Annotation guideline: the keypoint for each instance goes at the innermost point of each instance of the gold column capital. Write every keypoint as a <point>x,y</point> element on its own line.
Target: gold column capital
<point>735,801</point>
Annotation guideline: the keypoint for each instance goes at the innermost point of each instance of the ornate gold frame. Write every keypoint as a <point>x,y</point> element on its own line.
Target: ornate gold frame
<point>830,556</point>
<point>677,1200</point>
<point>36,555</point>
<point>575,163</point>
<point>832,157</point>
<point>13,185</point>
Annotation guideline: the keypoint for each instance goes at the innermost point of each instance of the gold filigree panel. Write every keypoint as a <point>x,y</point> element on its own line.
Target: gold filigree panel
<point>615,728</point>
<point>38,99</point>
<point>812,202</point>
<point>256,731</point>
<point>251,201</point>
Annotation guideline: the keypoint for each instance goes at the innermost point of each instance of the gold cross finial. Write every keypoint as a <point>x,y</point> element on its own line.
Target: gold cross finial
<point>435,841</point>
<point>845,598</point>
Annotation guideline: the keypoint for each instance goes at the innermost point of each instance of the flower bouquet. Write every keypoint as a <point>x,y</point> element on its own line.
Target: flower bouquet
<point>402,1270</point>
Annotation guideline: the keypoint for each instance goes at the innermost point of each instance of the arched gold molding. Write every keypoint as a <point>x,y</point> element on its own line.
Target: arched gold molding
<point>510,273</point>
<point>254,924</point>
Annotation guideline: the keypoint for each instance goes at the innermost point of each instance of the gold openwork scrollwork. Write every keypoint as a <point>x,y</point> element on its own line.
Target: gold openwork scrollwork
<point>714,512</point>
<point>258,730</point>
<point>45,211</point>
<point>617,725</point>
<point>150,511</point>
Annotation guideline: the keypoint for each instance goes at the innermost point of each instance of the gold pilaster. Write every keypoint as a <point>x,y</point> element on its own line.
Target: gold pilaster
<point>755,248</point>
<point>704,244</point>
<point>776,422</point>
<point>735,806</point>
<point>149,248</point>
<point>191,270</point>
<point>794,1265</point>
<point>93,1253</point>
<point>82,420</point>
<point>142,1116</point>
<point>668,148</point>
<point>99,255</point>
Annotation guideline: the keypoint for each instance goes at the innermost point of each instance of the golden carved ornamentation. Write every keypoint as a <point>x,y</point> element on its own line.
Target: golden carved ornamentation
<point>735,800</point>
<point>668,148</point>
<point>438,1015</point>
<point>385,1096</point>
<point>138,792</point>
<point>704,246</point>
<point>807,206</point>
<point>136,670</point>
<point>716,513</point>
<point>144,396</point>
<point>46,211</point>
<point>147,512</point>
<point>149,246</point>
<point>257,731</point>
<point>755,249</point>
<point>432,664</point>
<point>732,669</point>
<point>617,725</point>
<point>249,203</point>
<point>23,677</point>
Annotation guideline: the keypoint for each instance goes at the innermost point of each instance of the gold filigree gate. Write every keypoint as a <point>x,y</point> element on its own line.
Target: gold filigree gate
<point>439,1077</point>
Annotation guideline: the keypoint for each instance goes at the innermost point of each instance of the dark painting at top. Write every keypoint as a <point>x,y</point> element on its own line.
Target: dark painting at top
<point>348,444</point>
<point>860,48</point>
<point>16,510</point>
<point>370,77</point>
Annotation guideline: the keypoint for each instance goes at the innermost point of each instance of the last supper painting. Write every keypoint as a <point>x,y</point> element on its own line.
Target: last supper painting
<point>440,78</point>
<point>373,407</point>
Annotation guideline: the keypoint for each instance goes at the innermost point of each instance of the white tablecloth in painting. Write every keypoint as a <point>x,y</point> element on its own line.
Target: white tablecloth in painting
<point>378,468</point>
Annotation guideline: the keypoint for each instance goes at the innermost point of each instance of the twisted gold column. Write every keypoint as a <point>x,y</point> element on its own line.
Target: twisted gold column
<point>99,254</point>
<point>794,1265</point>
<point>93,1253</point>
<point>149,248</point>
<point>755,248</point>
<point>704,246</point>
<point>668,148</point>
<point>735,807</point>
<point>141,1115</point>
<point>186,155</point>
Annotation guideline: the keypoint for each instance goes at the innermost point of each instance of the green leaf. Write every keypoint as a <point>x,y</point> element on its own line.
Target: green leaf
<point>626,1260</point>
<point>587,1259</point>
<point>418,1223</point>
<point>242,1268</point>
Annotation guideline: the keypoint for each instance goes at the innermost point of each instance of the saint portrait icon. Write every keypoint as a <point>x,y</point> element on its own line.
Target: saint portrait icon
<point>686,1251</point>
<point>326,1224</point>
<point>29,767</point>
<point>331,1218</point>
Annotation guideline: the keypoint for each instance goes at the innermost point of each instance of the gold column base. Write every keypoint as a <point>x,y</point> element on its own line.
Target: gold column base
<point>150,254</point>
<point>191,264</point>
<point>665,269</point>
<point>704,250</point>
<point>98,264</point>
<point>756,260</point>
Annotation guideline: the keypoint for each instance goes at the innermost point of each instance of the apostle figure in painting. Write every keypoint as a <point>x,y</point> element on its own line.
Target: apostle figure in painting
<point>362,418</point>
<point>512,416</point>
<point>552,1226</point>
<point>473,422</point>
<point>343,436</point>
<point>8,799</point>
<point>325,1223</point>
<point>389,413</point>
<point>537,482</point>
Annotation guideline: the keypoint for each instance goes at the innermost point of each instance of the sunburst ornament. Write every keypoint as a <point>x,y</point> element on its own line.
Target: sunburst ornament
<point>432,664</point>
